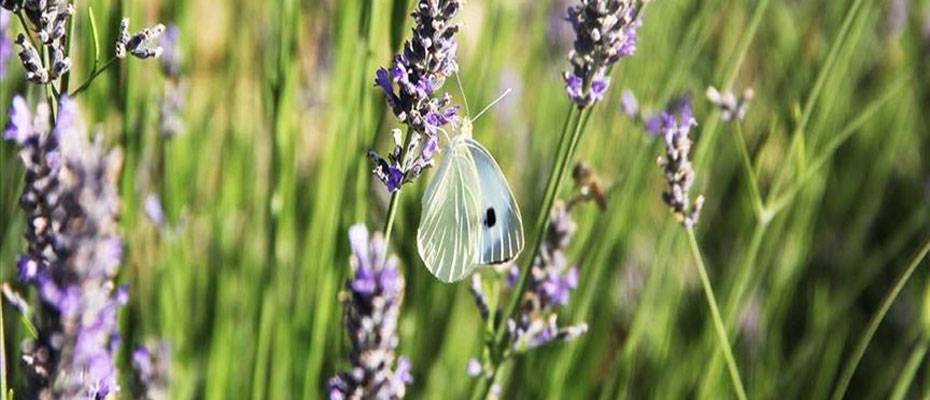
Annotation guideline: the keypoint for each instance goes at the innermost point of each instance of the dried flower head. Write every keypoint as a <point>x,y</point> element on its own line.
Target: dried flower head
<point>605,32</point>
<point>141,44</point>
<point>73,254</point>
<point>32,62</point>
<point>49,21</point>
<point>371,300</point>
<point>731,107</point>
<point>409,86</point>
<point>674,125</point>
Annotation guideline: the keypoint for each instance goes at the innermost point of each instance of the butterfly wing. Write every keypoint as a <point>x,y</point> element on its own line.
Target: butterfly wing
<point>501,229</point>
<point>449,223</point>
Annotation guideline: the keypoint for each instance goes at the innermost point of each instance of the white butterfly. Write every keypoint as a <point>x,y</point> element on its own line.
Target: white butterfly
<point>469,216</point>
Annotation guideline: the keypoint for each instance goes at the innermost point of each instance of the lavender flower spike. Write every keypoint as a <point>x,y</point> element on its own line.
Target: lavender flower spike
<point>605,32</point>
<point>142,44</point>
<point>551,281</point>
<point>731,107</point>
<point>409,85</point>
<point>151,371</point>
<point>6,46</point>
<point>679,175</point>
<point>74,251</point>
<point>372,298</point>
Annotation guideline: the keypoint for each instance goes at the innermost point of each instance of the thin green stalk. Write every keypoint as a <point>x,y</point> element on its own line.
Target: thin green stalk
<point>910,369</point>
<point>828,65</point>
<point>93,76</point>
<point>836,141</point>
<point>751,179</point>
<point>876,320</point>
<point>715,313</point>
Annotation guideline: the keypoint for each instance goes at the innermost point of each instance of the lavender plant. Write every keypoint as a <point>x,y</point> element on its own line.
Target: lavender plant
<point>46,26</point>
<point>172,101</point>
<point>71,203</point>
<point>605,32</point>
<point>674,126</point>
<point>74,252</point>
<point>151,371</point>
<point>410,87</point>
<point>6,46</point>
<point>551,282</point>
<point>731,107</point>
<point>372,298</point>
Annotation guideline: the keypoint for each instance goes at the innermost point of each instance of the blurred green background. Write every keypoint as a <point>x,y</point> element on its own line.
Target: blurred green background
<point>270,171</point>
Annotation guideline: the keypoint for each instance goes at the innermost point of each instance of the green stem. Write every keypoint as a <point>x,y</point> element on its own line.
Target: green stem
<point>910,369</point>
<point>715,313</point>
<point>93,76</point>
<point>391,213</point>
<point>751,179</point>
<point>395,197</point>
<point>876,320</point>
<point>785,197</point>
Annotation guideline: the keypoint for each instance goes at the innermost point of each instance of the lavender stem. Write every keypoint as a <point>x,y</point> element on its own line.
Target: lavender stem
<point>93,76</point>
<point>715,313</point>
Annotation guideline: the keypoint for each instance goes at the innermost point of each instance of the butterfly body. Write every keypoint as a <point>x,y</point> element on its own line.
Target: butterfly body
<point>470,217</point>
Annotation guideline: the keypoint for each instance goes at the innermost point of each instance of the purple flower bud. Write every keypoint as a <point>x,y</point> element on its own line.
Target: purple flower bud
<point>19,128</point>
<point>154,211</point>
<point>474,368</point>
<point>629,105</point>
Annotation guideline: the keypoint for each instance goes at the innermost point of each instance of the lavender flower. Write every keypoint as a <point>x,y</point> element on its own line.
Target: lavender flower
<point>605,32</point>
<point>628,104</point>
<point>170,108</point>
<point>409,85</point>
<point>550,284</point>
<point>551,281</point>
<point>74,251</point>
<point>731,107</point>
<point>896,19</point>
<point>474,368</point>
<point>171,52</point>
<point>372,298</point>
<point>171,104</point>
<point>154,210</point>
<point>49,21</point>
<point>6,46</point>
<point>674,125</point>
<point>151,372</point>
<point>141,44</point>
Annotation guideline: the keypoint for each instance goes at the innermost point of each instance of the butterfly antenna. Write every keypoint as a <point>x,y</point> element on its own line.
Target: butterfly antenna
<point>462,91</point>
<point>497,100</point>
